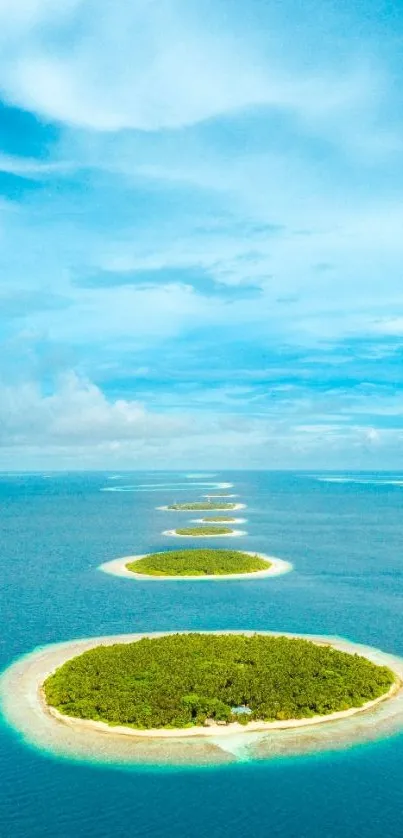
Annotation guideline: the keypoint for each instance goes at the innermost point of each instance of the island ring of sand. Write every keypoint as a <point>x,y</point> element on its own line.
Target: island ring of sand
<point>118,567</point>
<point>232,534</point>
<point>24,709</point>
<point>234,508</point>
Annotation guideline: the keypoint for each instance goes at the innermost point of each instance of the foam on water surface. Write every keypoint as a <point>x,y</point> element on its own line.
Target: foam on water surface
<point>158,487</point>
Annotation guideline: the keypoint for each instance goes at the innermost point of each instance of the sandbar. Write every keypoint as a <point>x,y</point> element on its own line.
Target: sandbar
<point>24,708</point>
<point>117,567</point>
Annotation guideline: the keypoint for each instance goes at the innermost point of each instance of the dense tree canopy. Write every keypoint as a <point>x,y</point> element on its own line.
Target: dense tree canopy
<point>204,531</point>
<point>203,562</point>
<point>184,679</point>
<point>202,505</point>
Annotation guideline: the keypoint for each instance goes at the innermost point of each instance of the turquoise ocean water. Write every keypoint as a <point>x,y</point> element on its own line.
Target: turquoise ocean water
<point>345,539</point>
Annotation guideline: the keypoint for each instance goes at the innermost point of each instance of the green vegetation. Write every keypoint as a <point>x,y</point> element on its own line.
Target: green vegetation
<point>202,505</point>
<point>218,519</point>
<point>180,681</point>
<point>202,562</point>
<point>200,531</point>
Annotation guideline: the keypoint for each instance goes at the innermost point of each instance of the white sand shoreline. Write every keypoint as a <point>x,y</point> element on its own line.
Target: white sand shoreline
<point>117,567</point>
<point>25,709</point>
<point>232,534</point>
<point>216,729</point>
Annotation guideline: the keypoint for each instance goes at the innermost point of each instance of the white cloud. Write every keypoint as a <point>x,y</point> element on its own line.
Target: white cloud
<point>76,425</point>
<point>158,67</point>
<point>32,168</point>
<point>228,198</point>
<point>77,413</point>
<point>153,69</point>
<point>33,13</point>
<point>388,325</point>
<point>372,435</point>
<point>152,65</point>
<point>142,316</point>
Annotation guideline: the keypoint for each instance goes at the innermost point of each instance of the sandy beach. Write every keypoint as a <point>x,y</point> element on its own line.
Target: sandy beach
<point>24,708</point>
<point>117,567</point>
<point>215,729</point>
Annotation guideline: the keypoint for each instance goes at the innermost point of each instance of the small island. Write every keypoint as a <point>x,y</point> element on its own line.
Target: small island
<point>202,506</point>
<point>202,565</point>
<point>218,519</point>
<point>203,532</point>
<point>194,563</point>
<point>186,682</point>
<point>219,495</point>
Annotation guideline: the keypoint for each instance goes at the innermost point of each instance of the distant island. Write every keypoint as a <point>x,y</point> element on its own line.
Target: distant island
<point>201,532</point>
<point>201,506</point>
<point>218,519</point>
<point>219,495</point>
<point>189,681</point>
<point>203,562</point>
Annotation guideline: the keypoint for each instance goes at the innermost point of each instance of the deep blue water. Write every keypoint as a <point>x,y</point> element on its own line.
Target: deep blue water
<point>345,540</point>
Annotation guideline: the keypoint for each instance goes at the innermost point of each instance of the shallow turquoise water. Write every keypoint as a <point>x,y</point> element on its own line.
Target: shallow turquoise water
<point>345,540</point>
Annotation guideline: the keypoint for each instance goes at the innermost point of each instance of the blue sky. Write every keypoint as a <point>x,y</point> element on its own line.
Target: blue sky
<point>201,234</point>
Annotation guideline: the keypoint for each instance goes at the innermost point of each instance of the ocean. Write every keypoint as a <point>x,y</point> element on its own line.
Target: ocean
<point>344,536</point>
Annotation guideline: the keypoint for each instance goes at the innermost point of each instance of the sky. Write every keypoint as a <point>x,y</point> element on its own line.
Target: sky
<point>201,234</point>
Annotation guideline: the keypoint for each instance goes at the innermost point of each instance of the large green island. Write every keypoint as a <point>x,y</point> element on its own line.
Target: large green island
<point>203,562</point>
<point>191,680</point>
